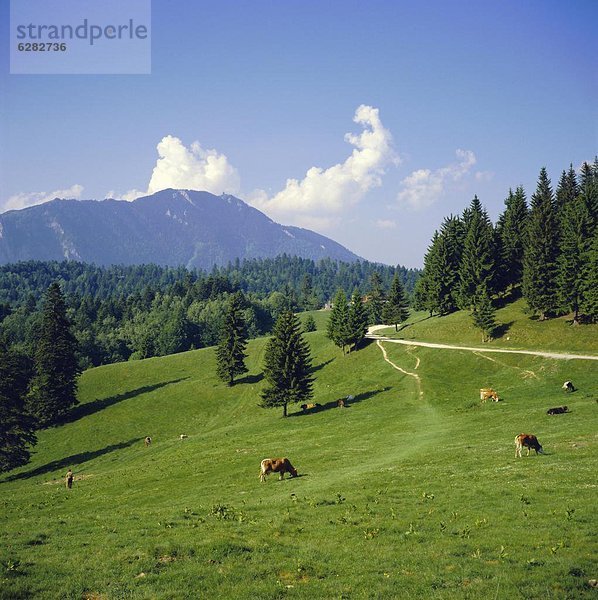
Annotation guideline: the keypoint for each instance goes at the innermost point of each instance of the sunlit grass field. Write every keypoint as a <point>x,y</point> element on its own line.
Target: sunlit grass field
<point>400,495</point>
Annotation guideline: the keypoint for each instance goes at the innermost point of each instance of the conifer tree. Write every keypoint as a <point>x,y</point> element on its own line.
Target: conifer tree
<point>376,301</point>
<point>54,386</point>
<point>396,309</point>
<point>512,230</point>
<point>338,323</point>
<point>575,246</point>
<point>230,354</point>
<point>287,365</point>
<point>439,278</point>
<point>483,314</point>
<point>567,189</point>
<point>17,427</point>
<point>540,254</point>
<point>477,261</point>
<point>589,294</point>
<point>358,320</point>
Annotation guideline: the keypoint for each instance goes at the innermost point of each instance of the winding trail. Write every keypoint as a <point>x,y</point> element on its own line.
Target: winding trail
<point>556,355</point>
<point>415,375</point>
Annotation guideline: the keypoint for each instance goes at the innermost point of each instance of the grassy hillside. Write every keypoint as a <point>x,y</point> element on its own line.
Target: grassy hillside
<point>400,495</point>
<point>516,331</point>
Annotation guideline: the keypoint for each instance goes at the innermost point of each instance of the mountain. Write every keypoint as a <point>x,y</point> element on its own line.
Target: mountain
<point>170,227</point>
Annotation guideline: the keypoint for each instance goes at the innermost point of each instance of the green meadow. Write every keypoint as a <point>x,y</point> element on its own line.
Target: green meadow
<point>401,495</point>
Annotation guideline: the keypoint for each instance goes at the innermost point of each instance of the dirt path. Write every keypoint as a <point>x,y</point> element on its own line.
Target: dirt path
<point>555,355</point>
<point>415,375</point>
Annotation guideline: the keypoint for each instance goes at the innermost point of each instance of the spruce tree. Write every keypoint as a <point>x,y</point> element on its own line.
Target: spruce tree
<point>338,323</point>
<point>230,354</point>
<point>396,308</point>
<point>376,301</point>
<point>589,294</point>
<point>477,261</point>
<point>483,314</point>
<point>17,427</point>
<point>540,254</point>
<point>287,365</point>
<point>357,320</point>
<point>512,231</point>
<point>575,246</point>
<point>567,189</point>
<point>53,388</point>
<point>438,286</point>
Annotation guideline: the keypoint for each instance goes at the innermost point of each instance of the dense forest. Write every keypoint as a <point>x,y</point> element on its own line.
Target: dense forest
<point>128,312</point>
<point>546,251</point>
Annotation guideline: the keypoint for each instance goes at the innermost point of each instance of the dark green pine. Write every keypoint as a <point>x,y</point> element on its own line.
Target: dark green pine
<point>338,323</point>
<point>357,319</point>
<point>17,427</point>
<point>376,300</point>
<point>230,354</point>
<point>483,314</point>
<point>53,389</point>
<point>540,255</point>
<point>396,309</point>
<point>287,365</point>
<point>477,262</point>
<point>512,231</point>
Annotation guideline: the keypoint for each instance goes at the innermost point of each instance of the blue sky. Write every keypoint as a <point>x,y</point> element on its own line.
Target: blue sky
<point>452,99</point>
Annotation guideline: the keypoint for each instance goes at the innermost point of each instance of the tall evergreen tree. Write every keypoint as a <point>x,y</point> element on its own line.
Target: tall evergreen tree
<point>540,255</point>
<point>477,261</point>
<point>567,189</point>
<point>512,231</point>
<point>575,246</point>
<point>439,277</point>
<point>287,365</point>
<point>358,320</point>
<point>376,301</point>
<point>53,388</point>
<point>17,427</point>
<point>396,310</point>
<point>483,314</point>
<point>589,294</point>
<point>338,323</point>
<point>230,354</point>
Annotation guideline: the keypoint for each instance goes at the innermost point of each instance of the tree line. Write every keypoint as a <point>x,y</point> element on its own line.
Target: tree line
<point>545,251</point>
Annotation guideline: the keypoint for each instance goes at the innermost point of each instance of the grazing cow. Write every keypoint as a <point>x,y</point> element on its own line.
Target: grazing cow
<point>529,441</point>
<point>183,436</point>
<point>486,393</point>
<point>276,465</point>
<point>340,403</point>
<point>147,441</point>
<point>306,407</point>
<point>559,410</point>
<point>568,386</point>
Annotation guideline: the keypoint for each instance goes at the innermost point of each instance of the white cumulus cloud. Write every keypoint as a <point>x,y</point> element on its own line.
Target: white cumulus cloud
<point>25,199</point>
<point>190,168</point>
<point>323,192</point>
<point>386,224</point>
<point>423,187</point>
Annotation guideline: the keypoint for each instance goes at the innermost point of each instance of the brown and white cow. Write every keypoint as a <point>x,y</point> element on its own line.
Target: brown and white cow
<point>529,441</point>
<point>486,393</point>
<point>276,465</point>
<point>147,441</point>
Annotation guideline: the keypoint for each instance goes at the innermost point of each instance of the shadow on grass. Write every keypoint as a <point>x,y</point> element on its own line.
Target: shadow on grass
<point>321,365</point>
<point>84,410</point>
<point>70,461</point>
<point>501,329</point>
<point>250,379</point>
<point>334,403</point>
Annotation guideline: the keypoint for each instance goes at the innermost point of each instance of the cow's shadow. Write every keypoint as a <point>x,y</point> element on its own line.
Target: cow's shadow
<point>334,403</point>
